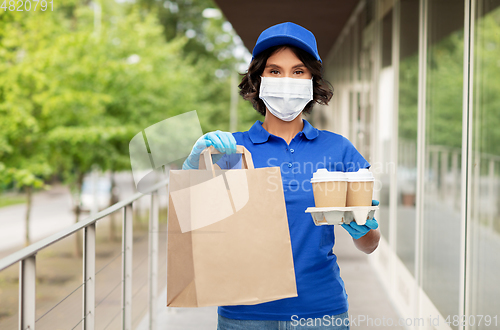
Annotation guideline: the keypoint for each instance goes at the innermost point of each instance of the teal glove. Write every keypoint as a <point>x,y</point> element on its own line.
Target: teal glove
<point>222,141</point>
<point>358,231</point>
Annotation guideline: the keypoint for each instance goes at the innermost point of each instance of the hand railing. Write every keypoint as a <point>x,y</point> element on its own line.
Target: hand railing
<point>27,264</point>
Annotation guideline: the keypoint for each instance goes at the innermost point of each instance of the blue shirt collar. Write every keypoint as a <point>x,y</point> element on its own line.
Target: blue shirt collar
<point>258,134</point>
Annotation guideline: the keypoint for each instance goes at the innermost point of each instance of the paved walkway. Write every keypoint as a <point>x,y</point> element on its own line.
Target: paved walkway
<point>367,299</point>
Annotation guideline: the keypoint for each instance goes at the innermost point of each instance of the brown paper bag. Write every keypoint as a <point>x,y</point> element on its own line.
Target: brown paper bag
<point>228,237</point>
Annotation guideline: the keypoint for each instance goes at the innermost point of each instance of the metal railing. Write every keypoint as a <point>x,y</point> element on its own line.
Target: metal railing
<point>27,264</point>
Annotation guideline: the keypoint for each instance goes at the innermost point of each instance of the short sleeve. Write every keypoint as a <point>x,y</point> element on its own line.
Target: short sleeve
<point>353,160</point>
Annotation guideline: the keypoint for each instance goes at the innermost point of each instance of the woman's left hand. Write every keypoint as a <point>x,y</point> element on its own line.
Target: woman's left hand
<point>358,231</point>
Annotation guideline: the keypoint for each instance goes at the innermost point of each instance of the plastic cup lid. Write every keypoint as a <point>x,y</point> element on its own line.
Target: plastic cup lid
<point>362,175</point>
<point>322,175</point>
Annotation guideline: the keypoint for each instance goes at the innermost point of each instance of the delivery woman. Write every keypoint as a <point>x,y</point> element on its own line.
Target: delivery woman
<point>284,80</point>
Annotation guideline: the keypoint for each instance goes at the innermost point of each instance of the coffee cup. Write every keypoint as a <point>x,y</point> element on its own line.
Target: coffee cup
<point>329,188</point>
<point>359,188</point>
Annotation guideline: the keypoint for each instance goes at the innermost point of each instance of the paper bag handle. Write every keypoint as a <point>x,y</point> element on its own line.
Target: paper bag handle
<point>206,158</point>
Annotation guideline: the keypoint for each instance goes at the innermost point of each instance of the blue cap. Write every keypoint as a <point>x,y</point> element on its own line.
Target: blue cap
<point>287,34</point>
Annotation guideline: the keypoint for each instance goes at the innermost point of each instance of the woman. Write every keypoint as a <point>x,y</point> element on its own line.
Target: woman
<point>283,80</point>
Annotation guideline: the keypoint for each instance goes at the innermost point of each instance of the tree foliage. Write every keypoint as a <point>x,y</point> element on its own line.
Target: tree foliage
<point>73,93</point>
<point>487,84</point>
<point>445,89</point>
<point>443,93</point>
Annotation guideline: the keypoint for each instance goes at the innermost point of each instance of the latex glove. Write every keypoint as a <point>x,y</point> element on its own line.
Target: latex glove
<point>358,231</point>
<point>222,141</point>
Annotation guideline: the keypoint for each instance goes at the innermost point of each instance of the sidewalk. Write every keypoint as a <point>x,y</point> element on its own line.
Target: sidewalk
<point>366,295</point>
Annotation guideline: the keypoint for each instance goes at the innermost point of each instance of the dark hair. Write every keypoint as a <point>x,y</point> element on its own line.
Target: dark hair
<point>250,84</point>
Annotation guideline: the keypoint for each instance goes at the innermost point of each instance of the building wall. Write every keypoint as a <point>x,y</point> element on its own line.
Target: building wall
<point>417,90</point>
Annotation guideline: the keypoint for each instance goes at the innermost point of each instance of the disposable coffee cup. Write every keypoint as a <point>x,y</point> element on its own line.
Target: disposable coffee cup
<point>329,188</point>
<point>359,188</point>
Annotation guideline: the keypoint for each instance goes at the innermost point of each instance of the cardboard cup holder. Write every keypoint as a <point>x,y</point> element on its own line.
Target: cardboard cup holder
<point>340,215</point>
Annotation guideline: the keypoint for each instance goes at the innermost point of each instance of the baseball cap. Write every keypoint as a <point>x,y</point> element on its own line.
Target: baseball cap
<point>287,33</point>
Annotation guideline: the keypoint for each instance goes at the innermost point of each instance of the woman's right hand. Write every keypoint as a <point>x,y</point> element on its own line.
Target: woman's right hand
<point>222,141</point>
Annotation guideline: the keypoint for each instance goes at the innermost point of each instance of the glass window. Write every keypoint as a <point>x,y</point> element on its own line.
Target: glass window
<point>385,123</point>
<point>485,182</point>
<point>443,142</point>
<point>407,132</point>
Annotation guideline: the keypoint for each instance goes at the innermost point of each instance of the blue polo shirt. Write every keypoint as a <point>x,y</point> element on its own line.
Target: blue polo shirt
<point>319,286</point>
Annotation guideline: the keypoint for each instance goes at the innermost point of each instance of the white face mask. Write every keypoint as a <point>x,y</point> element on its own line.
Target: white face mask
<point>286,97</point>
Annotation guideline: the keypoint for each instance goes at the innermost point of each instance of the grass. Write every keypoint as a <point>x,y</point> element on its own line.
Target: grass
<point>7,200</point>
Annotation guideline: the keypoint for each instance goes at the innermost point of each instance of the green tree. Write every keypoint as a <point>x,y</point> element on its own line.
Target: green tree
<point>408,98</point>
<point>211,47</point>
<point>444,91</point>
<point>24,160</point>
<point>487,83</point>
<point>74,93</point>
